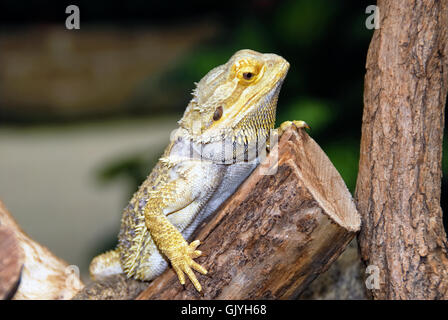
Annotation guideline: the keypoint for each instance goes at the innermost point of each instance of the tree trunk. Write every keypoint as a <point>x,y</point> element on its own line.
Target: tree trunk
<point>399,182</point>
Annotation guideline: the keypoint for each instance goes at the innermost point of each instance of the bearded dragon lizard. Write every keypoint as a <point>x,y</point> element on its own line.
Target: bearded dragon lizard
<point>215,148</point>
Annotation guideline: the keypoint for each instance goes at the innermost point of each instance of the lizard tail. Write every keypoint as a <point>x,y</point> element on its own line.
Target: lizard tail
<point>105,265</point>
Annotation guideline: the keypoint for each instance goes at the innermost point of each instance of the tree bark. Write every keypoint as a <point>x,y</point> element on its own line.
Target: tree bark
<point>399,181</point>
<point>117,287</point>
<point>276,233</point>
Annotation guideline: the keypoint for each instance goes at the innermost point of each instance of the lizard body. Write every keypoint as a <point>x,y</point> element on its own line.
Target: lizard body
<point>217,145</point>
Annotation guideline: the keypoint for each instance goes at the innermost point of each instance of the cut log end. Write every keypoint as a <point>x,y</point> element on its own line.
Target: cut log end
<point>322,180</point>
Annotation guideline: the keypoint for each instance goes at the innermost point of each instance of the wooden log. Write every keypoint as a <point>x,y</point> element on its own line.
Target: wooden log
<point>344,280</point>
<point>43,275</point>
<point>116,287</point>
<point>276,233</point>
<point>11,262</point>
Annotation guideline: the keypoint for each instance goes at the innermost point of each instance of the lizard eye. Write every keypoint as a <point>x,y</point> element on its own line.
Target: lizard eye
<point>248,72</point>
<point>218,114</point>
<point>248,75</point>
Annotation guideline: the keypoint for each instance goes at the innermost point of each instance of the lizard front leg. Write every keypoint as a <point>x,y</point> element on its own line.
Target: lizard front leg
<point>174,197</point>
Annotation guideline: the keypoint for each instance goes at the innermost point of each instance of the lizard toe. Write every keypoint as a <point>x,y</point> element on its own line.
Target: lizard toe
<point>297,123</point>
<point>183,263</point>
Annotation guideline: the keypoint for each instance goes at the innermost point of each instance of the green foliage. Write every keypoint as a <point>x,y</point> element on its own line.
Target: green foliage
<point>304,22</point>
<point>317,113</point>
<point>345,156</point>
<point>134,168</point>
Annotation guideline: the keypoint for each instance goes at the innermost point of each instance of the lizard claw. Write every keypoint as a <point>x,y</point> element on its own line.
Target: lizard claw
<point>297,123</point>
<point>195,253</point>
<point>183,264</point>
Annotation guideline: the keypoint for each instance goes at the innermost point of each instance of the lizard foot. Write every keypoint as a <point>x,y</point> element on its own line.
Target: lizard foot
<point>284,126</point>
<point>183,262</point>
<point>297,123</point>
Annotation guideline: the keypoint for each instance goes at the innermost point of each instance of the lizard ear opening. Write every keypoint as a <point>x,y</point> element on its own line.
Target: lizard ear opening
<point>218,114</point>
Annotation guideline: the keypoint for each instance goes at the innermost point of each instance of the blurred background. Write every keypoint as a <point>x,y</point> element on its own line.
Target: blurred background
<point>85,114</point>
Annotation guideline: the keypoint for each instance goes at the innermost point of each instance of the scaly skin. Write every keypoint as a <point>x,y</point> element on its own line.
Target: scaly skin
<point>218,144</point>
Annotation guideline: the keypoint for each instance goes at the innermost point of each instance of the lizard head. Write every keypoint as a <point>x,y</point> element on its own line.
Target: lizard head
<point>237,99</point>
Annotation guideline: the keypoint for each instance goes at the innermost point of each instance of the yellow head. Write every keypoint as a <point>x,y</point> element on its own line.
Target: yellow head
<point>238,98</point>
